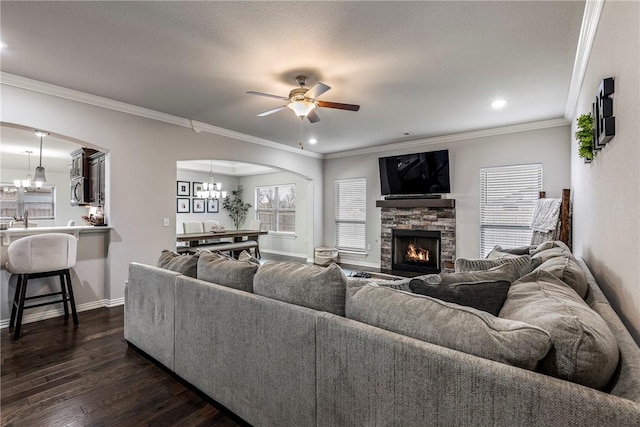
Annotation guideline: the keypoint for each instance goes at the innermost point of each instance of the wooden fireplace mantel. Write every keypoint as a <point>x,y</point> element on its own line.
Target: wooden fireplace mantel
<point>416,203</point>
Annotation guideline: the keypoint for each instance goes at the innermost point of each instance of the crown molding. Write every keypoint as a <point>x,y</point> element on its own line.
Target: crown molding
<point>590,19</point>
<point>524,127</point>
<point>99,101</point>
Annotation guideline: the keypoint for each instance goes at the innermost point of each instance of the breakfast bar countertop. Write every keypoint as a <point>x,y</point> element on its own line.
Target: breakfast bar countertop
<point>75,230</point>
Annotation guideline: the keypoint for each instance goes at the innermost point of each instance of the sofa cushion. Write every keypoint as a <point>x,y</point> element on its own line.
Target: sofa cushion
<point>522,263</point>
<point>449,325</point>
<point>184,264</point>
<point>483,295</point>
<point>549,245</point>
<point>320,288</point>
<point>547,254</point>
<point>567,269</point>
<point>218,269</point>
<point>584,349</point>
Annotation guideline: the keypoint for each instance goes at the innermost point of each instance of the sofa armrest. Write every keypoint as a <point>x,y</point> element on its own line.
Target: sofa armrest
<point>369,376</point>
<point>149,312</point>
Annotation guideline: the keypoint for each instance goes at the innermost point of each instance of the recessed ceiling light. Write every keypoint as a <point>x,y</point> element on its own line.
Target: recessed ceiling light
<point>312,140</point>
<point>499,103</point>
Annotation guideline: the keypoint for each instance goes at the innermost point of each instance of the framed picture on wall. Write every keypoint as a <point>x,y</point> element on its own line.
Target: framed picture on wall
<point>197,187</point>
<point>183,205</point>
<point>184,188</point>
<point>213,205</point>
<point>198,205</point>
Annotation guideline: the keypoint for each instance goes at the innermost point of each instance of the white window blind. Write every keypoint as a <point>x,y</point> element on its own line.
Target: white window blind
<point>351,214</point>
<point>508,196</point>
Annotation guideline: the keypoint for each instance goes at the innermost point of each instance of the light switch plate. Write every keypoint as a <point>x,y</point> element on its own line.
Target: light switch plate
<point>166,222</point>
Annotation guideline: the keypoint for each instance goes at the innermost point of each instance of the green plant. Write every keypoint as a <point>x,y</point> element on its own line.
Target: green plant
<point>236,207</point>
<point>584,135</point>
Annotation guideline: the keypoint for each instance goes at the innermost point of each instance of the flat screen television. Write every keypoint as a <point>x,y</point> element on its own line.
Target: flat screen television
<point>415,174</point>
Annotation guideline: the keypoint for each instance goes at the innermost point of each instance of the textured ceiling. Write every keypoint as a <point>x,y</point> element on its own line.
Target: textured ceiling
<point>424,68</point>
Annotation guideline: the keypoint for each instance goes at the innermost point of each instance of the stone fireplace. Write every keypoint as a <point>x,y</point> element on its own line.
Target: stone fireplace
<point>428,225</point>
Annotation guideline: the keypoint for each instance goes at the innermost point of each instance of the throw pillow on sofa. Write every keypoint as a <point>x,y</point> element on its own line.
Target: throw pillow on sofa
<point>521,250</point>
<point>320,288</point>
<point>506,271</point>
<point>585,350</point>
<point>549,245</point>
<point>487,296</point>
<point>218,269</point>
<point>449,325</point>
<point>567,269</point>
<point>522,263</point>
<point>184,264</point>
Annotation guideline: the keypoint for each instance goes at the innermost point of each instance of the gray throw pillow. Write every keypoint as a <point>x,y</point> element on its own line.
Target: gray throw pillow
<point>184,264</point>
<point>585,350</point>
<point>521,250</point>
<point>547,254</point>
<point>218,269</point>
<point>568,270</point>
<point>522,263</point>
<point>449,325</point>
<point>246,256</point>
<point>320,288</point>
<point>549,245</point>
<point>486,296</point>
<point>506,271</point>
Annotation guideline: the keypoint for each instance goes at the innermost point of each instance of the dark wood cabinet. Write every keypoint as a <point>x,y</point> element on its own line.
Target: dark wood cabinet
<point>97,179</point>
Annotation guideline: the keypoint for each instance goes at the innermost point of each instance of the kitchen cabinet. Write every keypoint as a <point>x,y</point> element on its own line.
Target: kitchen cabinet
<point>97,179</point>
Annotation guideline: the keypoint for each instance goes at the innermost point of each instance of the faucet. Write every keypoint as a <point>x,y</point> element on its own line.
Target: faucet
<point>26,219</point>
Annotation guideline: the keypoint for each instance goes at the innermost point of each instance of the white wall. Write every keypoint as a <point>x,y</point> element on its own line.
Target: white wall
<point>228,183</point>
<point>549,146</point>
<point>292,245</point>
<point>606,193</point>
<point>142,172</point>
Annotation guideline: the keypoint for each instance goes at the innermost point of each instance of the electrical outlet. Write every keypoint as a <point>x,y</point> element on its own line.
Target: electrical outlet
<point>165,222</point>
<point>369,247</point>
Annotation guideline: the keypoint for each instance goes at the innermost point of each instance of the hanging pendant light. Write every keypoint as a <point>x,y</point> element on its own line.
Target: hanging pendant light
<point>39,177</point>
<point>24,183</point>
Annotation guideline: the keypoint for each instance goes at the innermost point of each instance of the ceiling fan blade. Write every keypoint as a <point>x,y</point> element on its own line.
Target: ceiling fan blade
<point>313,116</point>
<point>350,107</point>
<point>273,110</point>
<point>268,95</point>
<point>317,90</point>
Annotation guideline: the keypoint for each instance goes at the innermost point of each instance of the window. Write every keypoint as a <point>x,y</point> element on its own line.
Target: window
<point>39,202</point>
<point>508,197</point>
<point>276,208</point>
<point>351,214</point>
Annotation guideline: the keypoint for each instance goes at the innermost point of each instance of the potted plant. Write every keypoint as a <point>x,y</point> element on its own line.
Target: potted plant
<point>236,207</point>
<point>584,135</point>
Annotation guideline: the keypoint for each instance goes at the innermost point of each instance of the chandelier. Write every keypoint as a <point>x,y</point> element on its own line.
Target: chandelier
<point>211,190</point>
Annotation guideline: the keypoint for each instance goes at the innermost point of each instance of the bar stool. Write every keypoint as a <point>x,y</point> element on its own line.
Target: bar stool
<point>41,255</point>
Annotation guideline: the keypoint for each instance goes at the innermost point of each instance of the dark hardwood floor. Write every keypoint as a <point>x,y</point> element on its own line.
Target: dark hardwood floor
<point>55,375</point>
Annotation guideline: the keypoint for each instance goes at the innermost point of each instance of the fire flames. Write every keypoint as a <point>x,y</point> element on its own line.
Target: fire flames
<point>419,254</point>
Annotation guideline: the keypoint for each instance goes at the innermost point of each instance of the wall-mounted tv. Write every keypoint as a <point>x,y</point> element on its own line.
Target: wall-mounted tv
<point>415,174</point>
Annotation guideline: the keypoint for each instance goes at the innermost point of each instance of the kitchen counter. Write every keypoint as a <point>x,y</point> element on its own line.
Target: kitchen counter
<point>89,275</point>
<point>14,233</point>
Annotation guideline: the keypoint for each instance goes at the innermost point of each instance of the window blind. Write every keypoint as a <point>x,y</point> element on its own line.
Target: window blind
<point>351,214</point>
<point>508,196</point>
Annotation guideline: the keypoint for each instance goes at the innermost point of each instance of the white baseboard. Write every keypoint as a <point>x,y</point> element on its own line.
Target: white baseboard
<point>49,314</point>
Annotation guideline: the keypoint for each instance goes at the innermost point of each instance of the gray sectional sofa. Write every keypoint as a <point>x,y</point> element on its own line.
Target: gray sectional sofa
<point>270,358</point>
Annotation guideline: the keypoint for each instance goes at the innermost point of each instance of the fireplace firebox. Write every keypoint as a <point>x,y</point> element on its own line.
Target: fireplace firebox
<point>416,250</point>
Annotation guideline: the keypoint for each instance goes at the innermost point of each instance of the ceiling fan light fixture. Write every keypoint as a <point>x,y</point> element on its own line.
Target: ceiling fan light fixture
<point>301,108</point>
